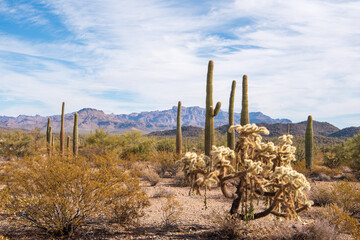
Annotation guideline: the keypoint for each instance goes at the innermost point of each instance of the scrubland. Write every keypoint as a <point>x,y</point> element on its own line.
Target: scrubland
<point>133,187</point>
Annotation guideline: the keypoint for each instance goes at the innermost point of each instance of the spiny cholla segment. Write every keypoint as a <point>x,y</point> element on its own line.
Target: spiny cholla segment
<point>262,171</point>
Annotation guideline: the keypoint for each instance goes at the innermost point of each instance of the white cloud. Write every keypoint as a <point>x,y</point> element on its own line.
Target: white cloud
<point>301,56</point>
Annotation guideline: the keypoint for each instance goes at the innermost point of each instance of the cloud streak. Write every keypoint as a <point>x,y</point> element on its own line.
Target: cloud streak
<point>301,57</point>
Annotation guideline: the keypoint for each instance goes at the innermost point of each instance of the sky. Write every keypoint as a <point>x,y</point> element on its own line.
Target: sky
<point>302,57</point>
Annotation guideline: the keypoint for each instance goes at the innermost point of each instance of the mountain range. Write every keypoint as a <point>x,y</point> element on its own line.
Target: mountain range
<point>146,122</point>
<point>160,123</point>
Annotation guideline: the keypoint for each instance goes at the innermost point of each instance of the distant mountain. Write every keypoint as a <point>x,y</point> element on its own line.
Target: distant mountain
<point>278,129</point>
<point>146,122</point>
<point>346,132</point>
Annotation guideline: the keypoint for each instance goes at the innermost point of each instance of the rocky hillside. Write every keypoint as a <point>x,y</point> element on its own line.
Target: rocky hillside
<point>346,132</point>
<point>278,129</point>
<point>186,131</point>
<point>146,122</point>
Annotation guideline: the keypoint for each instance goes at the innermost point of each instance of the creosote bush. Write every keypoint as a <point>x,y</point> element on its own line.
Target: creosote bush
<point>58,194</point>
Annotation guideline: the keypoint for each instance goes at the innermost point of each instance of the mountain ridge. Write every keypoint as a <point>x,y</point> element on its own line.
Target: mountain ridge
<point>146,122</point>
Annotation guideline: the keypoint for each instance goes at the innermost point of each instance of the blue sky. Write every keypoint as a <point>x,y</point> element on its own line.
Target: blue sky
<point>302,57</point>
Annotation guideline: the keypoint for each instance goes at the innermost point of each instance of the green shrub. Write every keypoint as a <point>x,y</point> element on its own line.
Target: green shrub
<point>16,144</point>
<point>165,145</point>
<point>57,194</point>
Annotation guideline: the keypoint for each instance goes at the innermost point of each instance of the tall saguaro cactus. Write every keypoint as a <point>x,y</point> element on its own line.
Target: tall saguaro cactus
<point>75,134</point>
<point>245,104</point>
<point>309,143</point>
<point>178,130</point>
<point>62,133</point>
<point>48,135</point>
<point>231,135</point>
<point>210,111</point>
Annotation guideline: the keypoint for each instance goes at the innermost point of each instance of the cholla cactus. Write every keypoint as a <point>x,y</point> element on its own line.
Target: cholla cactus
<point>262,172</point>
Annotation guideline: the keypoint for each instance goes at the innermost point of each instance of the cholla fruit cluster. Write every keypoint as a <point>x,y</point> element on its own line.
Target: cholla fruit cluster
<point>258,170</point>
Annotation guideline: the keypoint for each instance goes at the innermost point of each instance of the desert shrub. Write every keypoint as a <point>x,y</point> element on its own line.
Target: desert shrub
<point>130,145</point>
<point>151,176</point>
<point>171,211</point>
<point>165,145</point>
<point>16,144</point>
<point>321,195</point>
<point>165,163</point>
<point>300,166</point>
<point>339,218</point>
<point>318,230</point>
<point>126,206</point>
<point>343,194</point>
<point>347,196</point>
<point>346,153</point>
<point>318,170</point>
<point>228,226</point>
<point>58,194</point>
<point>100,143</point>
<point>331,160</point>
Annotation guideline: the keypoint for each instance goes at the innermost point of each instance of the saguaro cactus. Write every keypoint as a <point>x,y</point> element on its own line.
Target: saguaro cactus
<point>67,143</point>
<point>48,135</point>
<point>52,143</point>
<point>75,134</point>
<point>288,129</point>
<point>309,143</point>
<point>210,111</point>
<point>62,134</point>
<point>245,104</point>
<point>231,135</point>
<point>178,130</point>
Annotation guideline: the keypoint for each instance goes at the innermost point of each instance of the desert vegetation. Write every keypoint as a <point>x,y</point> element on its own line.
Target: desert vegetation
<point>238,185</point>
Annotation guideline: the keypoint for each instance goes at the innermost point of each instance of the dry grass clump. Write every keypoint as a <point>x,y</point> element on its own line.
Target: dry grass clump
<point>228,227</point>
<point>300,167</point>
<point>171,211</point>
<point>318,230</point>
<point>151,176</point>
<point>323,170</point>
<point>339,218</point>
<point>162,192</point>
<point>58,194</point>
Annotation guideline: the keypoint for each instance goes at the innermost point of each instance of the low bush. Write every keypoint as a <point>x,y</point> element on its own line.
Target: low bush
<point>323,170</point>
<point>318,230</point>
<point>165,164</point>
<point>228,226</point>
<point>344,194</point>
<point>171,211</point>
<point>58,194</point>
<point>17,144</point>
<point>151,176</point>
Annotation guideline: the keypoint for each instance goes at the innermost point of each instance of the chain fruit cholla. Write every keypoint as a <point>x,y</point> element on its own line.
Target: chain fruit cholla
<point>262,173</point>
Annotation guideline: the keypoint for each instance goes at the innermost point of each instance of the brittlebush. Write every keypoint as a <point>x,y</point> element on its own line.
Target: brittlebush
<point>58,194</point>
